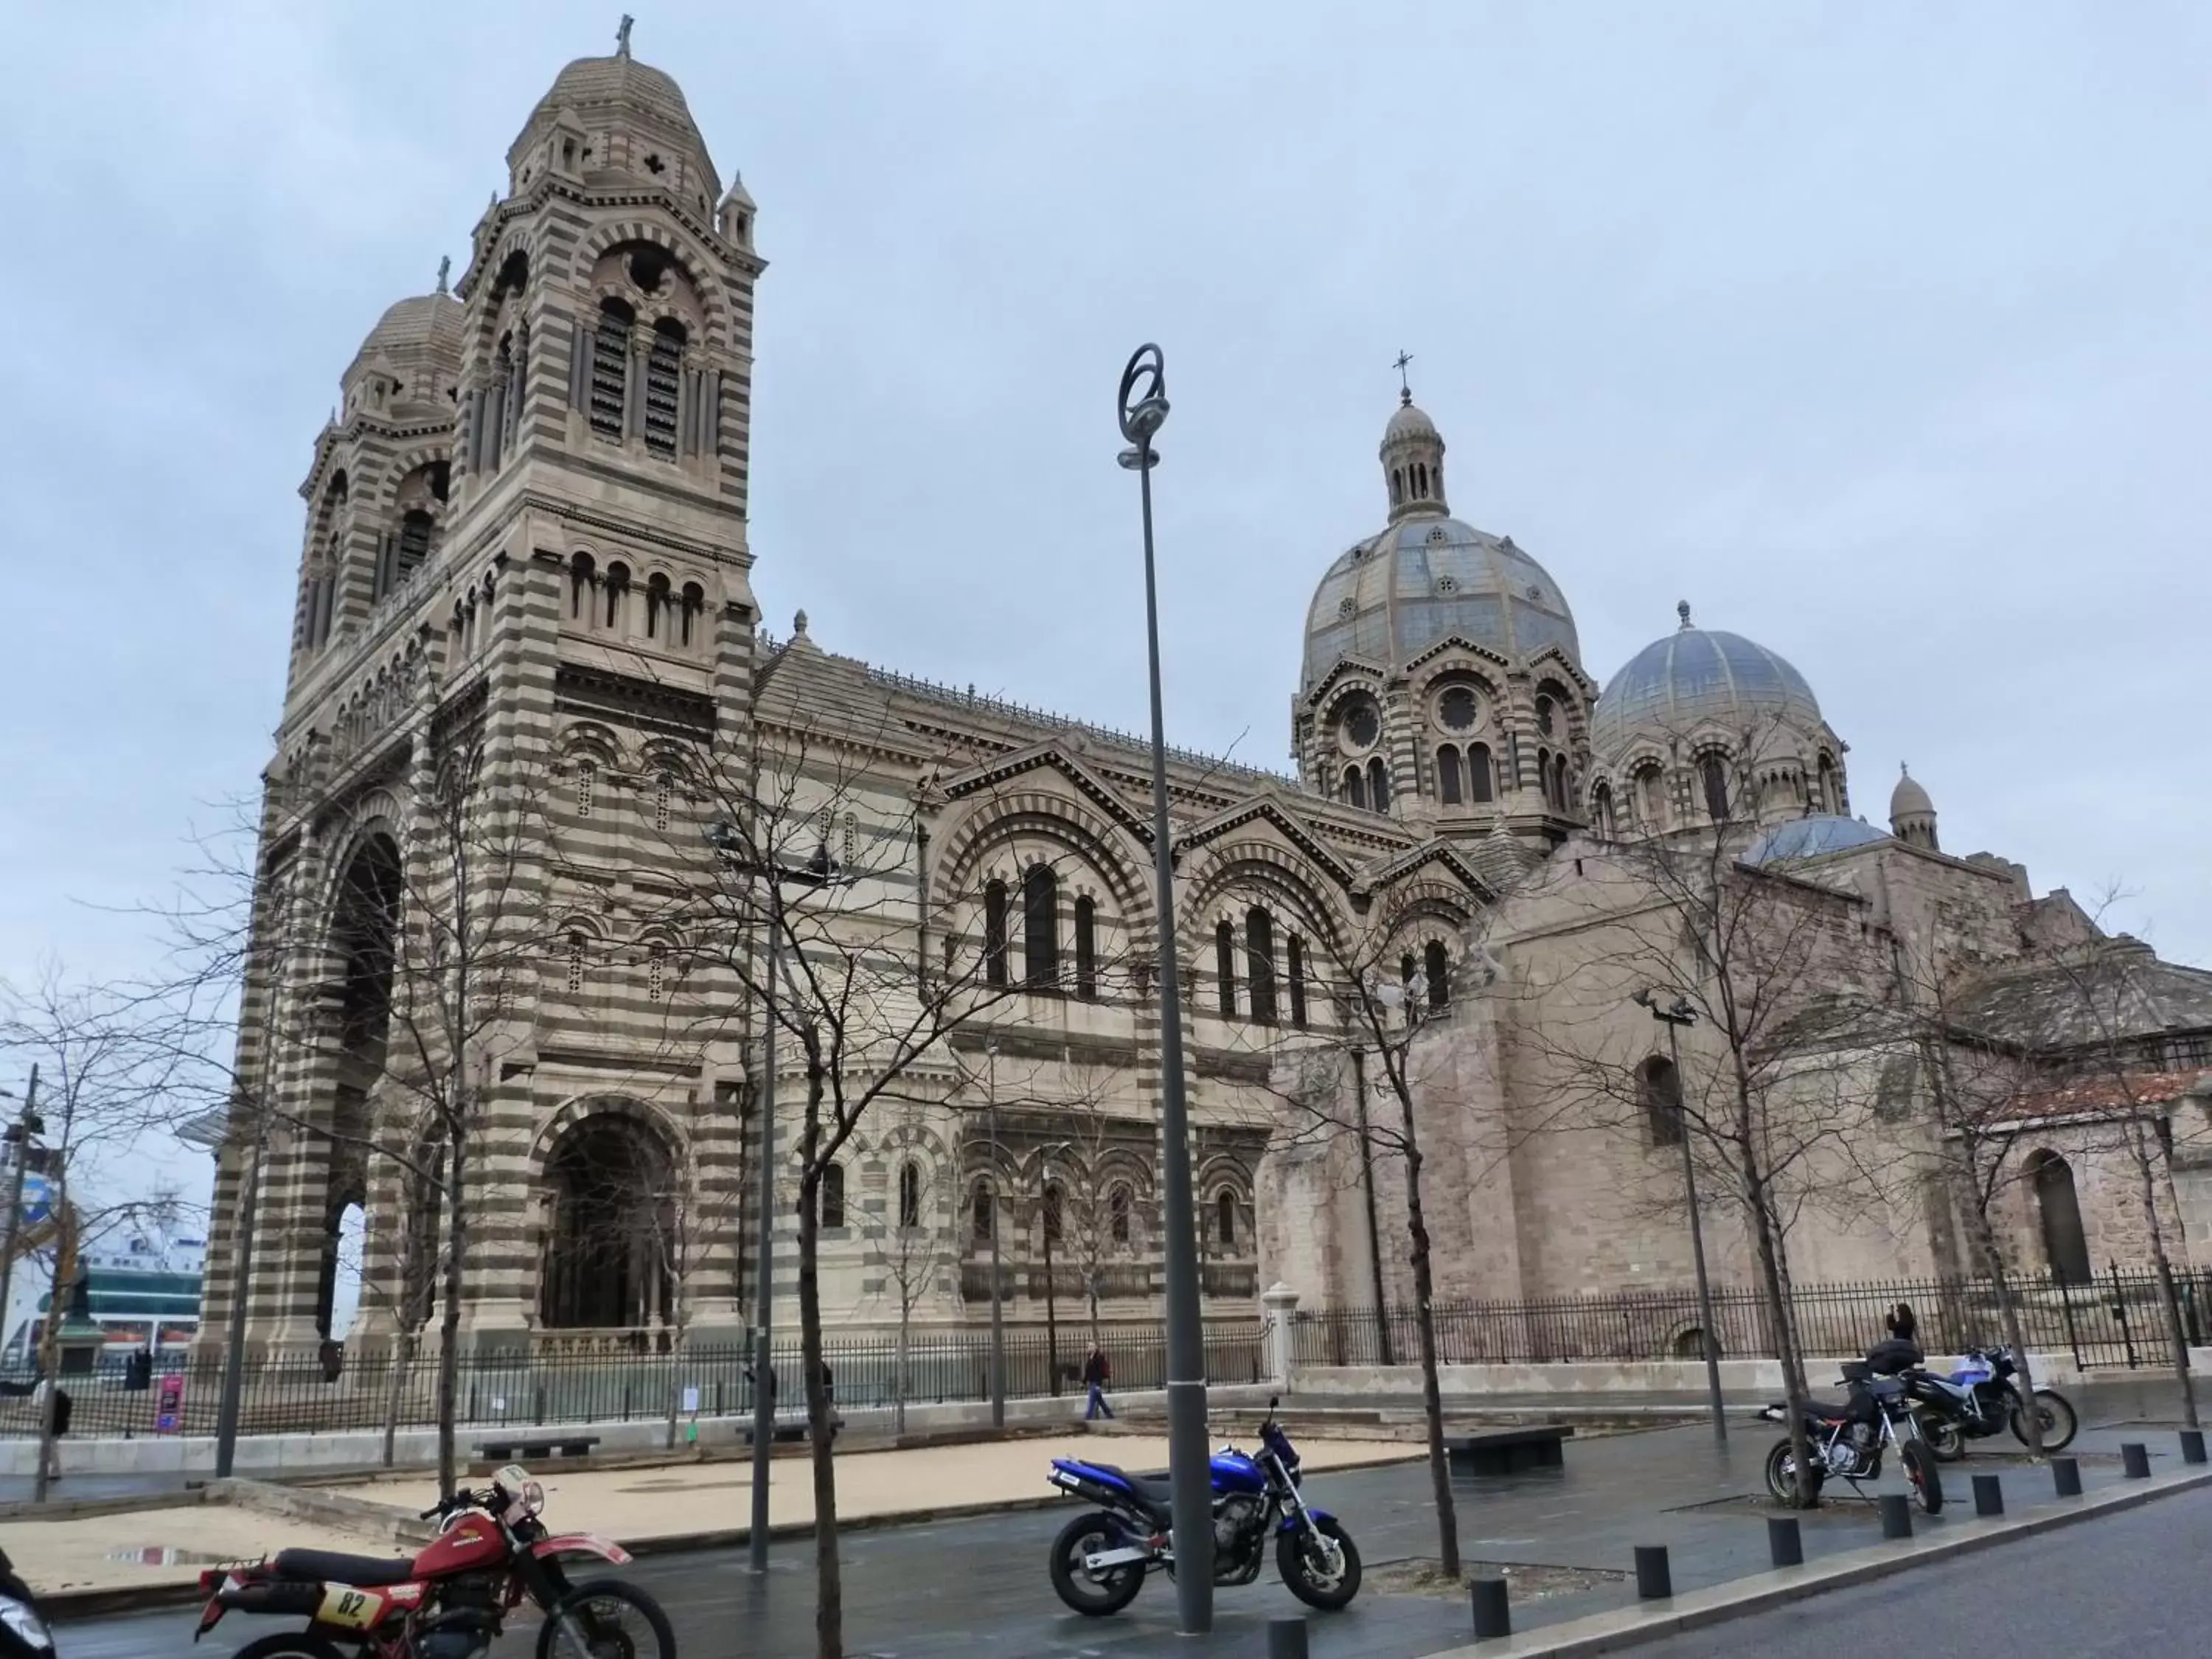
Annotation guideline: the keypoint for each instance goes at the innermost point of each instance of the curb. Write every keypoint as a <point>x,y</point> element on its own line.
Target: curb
<point>1761,1592</point>
<point>73,1605</point>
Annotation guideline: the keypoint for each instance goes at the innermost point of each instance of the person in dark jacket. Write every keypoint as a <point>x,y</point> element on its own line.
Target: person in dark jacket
<point>1097,1374</point>
<point>1902,1325</point>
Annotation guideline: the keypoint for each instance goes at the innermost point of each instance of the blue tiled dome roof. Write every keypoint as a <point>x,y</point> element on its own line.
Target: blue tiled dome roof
<point>1394,595</point>
<point>1693,676</point>
<point>1809,838</point>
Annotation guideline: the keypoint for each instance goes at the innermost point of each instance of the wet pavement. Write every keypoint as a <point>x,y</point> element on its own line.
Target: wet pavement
<point>970,1588</point>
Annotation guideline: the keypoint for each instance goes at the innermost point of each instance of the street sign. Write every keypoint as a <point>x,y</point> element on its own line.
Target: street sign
<point>38,1200</point>
<point>169,1404</point>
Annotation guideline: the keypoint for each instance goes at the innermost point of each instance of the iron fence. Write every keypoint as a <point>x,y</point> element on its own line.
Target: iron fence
<point>302,1394</point>
<point>2116,1319</point>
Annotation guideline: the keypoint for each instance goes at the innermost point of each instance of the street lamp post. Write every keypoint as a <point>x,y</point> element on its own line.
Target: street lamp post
<point>1674,1017</point>
<point>998,1290</point>
<point>817,873</point>
<point>1144,407</point>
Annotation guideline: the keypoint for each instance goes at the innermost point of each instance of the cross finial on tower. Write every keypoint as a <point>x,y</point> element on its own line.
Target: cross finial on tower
<point>1404,386</point>
<point>621,35</point>
<point>1903,770</point>
<point>1682,609</point>
<point>445,270</point>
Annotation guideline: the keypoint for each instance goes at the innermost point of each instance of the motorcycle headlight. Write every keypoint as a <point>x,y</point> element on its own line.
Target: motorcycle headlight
<point>23,1620</point>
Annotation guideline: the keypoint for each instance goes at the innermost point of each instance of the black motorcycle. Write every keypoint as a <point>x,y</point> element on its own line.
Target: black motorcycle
<point>1982,1398</point>
<point>1847,1440</point>
<point>23,1632</point>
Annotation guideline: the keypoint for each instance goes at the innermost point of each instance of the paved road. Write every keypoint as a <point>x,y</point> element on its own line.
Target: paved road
<point>2133,1585</point>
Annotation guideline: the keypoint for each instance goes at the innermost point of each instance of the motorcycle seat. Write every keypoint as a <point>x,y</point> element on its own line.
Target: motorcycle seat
<point>1154,1489</point>
<point>328,1566</point>
<point>1828,1411</point>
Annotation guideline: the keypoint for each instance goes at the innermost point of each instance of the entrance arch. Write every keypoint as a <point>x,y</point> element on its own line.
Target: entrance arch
<point>364,935</point>
<point>610,1234</point>
<point>2059,1207</point>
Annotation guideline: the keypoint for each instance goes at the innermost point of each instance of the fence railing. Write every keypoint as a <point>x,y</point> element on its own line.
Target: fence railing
<point>298,1394</point>
<point>2116,1319</point>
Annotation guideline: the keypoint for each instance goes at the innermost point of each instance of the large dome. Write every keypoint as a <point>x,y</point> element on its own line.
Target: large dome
<point>1395,595</point>
<point>1698,676</point>
<point>631,110</point>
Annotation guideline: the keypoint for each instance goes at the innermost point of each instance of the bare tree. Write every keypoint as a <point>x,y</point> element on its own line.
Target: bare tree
<point>914,1229</point>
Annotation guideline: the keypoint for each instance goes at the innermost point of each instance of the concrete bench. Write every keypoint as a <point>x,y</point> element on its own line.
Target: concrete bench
<point>1508,1451</point>
<point>535,1448</point>
<point>787,1431</point>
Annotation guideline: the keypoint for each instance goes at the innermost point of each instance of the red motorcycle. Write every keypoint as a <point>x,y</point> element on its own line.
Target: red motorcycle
<point>492,1553</point>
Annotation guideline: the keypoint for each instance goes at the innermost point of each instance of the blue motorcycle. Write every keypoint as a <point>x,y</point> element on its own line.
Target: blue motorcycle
<point>1100,1559</point>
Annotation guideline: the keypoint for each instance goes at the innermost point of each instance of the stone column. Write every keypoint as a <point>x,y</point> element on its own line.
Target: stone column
<point>1280,1301</point>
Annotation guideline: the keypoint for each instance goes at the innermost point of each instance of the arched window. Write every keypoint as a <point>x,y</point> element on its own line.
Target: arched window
<point>2065,1246</point>
<point>1224,1212</point>
<point>656,973</point>
<point>664,379</point>
<point>1436,964</point>
<point>1712,773</point>
<point>994,933</point>
<point>1650,800</point>
<point>576,947</point>
<point>1378,785</point>
<point>1355,786</point>
<point>1041,927</point>
<point>664,802</point>
<point>983,1211</point>
<point>1118,1203</point>
<point>617,590</point>
<point>1053,1208</point>
<point>414,545</point>
<point>1447,790</point>
<point>694,602</point>
<point>611,368</point>
<point>1086,948</point>
<point>909,1195</point>
<point>1225,967</point>
<point>587,775</point>
<point>1601,809</point>
<point>1560,798</point>
<point>1479,774</point>
<point>581,578</point>
<point>1832,794</point>
<point>1547,716</point>
<point>1543,777</point>
<point>1294,955</point>
<point>1397,486</point>
<point>1660,1089</point>
<point>833,1195</point>
<point>656,605</point>
<point>1259,964</point>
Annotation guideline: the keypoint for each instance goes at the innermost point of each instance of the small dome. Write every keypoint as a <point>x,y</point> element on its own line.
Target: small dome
<point>417,342</point>
<point>621,91</point>
<point>1411,420</point>
<point>1395,595</point>
<point>1694,676</point>
<point>1909,799</point>
<point>1812,838</point>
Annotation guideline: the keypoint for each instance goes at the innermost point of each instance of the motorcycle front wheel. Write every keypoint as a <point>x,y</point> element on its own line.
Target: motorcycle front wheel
<point>1307,1568</point>
<point>1781,1475</point>
<point>1944,1437</point>
<point>1093,1594</point>
<point>611,1620</point>
<point>2059,1424</point>
<point>1920,1473</point>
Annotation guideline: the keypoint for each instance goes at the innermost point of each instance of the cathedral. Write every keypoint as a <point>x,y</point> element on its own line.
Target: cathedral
<point>527,528</point>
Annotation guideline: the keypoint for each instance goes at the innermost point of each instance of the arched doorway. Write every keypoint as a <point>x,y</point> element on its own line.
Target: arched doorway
<point>2064,1244</point>
<point>363,944</point>
<point>610,1238</point>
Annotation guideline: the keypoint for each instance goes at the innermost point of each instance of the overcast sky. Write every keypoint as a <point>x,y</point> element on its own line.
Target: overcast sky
<point>1880,332</point>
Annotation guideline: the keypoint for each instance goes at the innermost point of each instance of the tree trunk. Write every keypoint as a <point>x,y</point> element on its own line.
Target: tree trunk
<point>2167,1298</point>
<point>50,1357</point>
<point>403,1363</point>
<point>898,1384</point>
<point>1773,1286</point>
<point>2015,1334</point>
<point>449,1316</point>
<point>830,1590</point>
<point>1432,1404</point>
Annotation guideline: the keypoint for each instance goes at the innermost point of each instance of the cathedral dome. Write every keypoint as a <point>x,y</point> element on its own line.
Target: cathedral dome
<point>1395,595</point>
<point>634,119</point>
<point>1909,799</point>
<point>1812,838</point>
<point>1698,676</point>
<point>412,356</point>
<point>1429,576</point>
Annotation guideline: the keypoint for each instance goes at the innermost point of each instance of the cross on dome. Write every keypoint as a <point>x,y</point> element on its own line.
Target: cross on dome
<point>1404,386</point>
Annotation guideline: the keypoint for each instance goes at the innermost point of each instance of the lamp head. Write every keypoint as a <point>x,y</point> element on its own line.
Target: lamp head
<point>1641,998</point>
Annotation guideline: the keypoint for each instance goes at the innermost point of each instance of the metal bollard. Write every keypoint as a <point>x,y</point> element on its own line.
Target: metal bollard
<point>1654,1582</point>
<point>1785,1543</point>
<point>2134,1460</point>
<point>1896,1515</point>
<point>1286,1638</point>
<point>2066,1477</point>
<point>1988,1495</point>
<point>2193,1445</point>
<point>1491,1615</point>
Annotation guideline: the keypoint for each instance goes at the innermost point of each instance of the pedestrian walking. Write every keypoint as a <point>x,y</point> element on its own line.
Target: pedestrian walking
<point>1097,1374</point>
<point>1902,1325</point>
